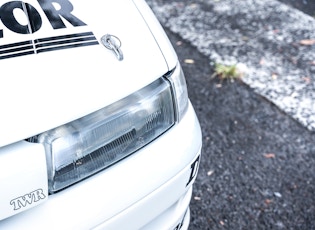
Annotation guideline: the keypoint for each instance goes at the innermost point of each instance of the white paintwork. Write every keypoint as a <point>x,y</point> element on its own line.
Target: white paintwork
<point>22,171</point>
<point>159,34</point>
<point>40,92</point>
<point>129,194</point>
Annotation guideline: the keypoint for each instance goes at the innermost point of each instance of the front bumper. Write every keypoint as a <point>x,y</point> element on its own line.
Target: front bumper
<point>151,189</point>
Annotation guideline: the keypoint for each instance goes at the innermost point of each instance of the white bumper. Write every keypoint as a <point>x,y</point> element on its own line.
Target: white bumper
<point>147,190</point>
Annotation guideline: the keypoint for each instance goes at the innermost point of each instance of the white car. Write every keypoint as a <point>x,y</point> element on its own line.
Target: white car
<point>96,128</point>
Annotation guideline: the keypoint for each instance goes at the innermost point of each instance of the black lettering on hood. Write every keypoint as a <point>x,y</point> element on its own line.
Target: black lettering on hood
<point>9,20</point>
<point>54,16</point>
<point>56,11</point>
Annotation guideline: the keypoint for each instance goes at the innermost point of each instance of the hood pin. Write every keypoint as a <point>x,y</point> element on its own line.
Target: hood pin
<point>113,43</point>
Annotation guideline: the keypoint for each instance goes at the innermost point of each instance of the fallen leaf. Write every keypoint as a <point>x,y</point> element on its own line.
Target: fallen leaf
<point>193,5</point>
<point>274,76</point>
<point>307,79</point>
<point>189,61</point>
<point>209,173</point>
<point>179,43</point>
<point>307,42</point>
<point>269,155</point>
<point>262,61</point>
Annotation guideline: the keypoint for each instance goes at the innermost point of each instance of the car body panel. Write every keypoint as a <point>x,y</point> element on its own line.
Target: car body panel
<point>160,168</point>
<point>57,70</point>
<point>66,79</point>
<point>23,178</point>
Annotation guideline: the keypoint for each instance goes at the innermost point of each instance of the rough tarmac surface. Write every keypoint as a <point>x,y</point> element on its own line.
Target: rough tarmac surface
<point>258,164</point>
<point>273,43</point>
<point>306,6</point>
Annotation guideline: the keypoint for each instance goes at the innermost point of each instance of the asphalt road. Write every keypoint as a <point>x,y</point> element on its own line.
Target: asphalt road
<point>273,43</point>
<point>307,6</point>
<point>258,164</point>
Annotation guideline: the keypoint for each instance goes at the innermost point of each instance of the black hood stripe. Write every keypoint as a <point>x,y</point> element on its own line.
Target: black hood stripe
<point>86,34</point>
<point>54,48</point>
<point>47,44</point>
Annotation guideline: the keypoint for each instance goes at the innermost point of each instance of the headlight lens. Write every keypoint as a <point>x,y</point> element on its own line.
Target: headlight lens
<point>85,146</point>
<point>177,79</point>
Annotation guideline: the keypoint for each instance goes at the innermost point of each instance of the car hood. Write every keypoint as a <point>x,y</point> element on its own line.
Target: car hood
<point>55,69</point>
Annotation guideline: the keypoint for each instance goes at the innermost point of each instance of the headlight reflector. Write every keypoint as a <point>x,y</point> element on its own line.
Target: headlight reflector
<point>85,146</point>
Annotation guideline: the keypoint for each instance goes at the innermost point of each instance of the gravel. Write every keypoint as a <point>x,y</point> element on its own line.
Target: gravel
<point>258,160</point>
<point>257,166</point>
<point>273,42</point>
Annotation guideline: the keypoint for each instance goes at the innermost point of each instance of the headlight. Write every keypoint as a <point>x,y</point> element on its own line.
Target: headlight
<point>81,148</point>
<point>177,79</point>
<point>85,146</point>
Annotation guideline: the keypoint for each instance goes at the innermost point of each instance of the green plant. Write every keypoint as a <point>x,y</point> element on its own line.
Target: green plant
<point>226,71</point>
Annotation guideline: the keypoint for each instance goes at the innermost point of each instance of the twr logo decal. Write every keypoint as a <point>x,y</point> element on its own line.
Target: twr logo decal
<point>27,199</point>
